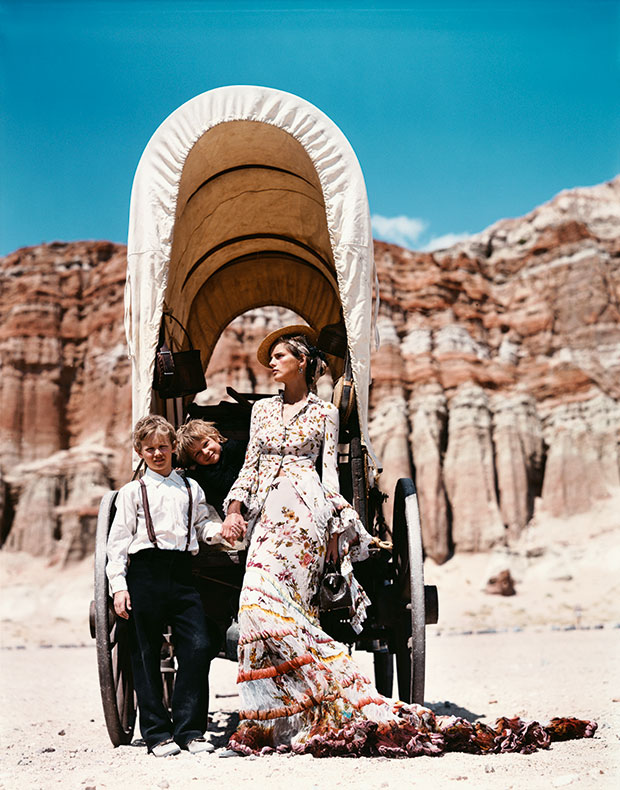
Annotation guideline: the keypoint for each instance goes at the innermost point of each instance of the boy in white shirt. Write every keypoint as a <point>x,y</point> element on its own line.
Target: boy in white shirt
<point>154,533</point>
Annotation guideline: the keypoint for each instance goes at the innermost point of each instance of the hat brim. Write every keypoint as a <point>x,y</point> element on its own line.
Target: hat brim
<point>263,354</point>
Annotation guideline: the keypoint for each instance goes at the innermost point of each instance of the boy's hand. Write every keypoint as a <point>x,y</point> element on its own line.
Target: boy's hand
<point>122,604</point>
<point>233,527</point>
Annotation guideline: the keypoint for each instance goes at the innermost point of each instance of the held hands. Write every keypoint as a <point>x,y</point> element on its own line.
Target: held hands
<point>122,604</point>
<point>233,528</point>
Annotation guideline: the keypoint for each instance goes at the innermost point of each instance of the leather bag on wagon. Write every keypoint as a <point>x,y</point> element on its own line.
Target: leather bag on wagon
<point>177,373</point>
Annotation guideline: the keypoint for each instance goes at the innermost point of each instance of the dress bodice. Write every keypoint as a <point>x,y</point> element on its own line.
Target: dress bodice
<point>304,450</point>
<point>297,443</point>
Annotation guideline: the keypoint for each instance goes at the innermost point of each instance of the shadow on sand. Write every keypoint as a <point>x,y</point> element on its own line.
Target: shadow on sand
<point>222,724</point>
<point>448,708</point>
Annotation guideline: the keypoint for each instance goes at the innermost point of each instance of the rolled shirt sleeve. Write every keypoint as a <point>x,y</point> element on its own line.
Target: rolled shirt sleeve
<point>207,522</point>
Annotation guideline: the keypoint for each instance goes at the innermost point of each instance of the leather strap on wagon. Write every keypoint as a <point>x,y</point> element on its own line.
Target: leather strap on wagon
<point>150,530</point>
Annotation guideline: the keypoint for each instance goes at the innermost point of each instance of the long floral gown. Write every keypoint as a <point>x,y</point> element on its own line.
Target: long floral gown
<point>300,690</point>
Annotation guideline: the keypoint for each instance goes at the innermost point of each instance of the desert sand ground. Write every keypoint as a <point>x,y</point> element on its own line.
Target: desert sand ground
<point>551,649</point>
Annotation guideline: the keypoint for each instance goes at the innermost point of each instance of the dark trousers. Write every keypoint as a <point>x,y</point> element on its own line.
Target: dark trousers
<point>161,591</point>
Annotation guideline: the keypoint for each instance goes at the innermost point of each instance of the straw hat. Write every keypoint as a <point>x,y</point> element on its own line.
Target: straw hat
<point>265,347</point>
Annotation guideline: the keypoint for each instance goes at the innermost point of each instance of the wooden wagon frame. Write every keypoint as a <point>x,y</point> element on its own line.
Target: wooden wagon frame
<point>246,197</point>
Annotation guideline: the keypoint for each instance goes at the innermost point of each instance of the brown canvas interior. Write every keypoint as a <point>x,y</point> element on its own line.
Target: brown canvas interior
<point>250,231</point>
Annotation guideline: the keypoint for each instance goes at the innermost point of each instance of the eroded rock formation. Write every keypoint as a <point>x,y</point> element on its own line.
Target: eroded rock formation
<point>64,389</point>
<point>65,369</point>
<point>509,345</point>
<point>497,385</point>
<point>57,503</point>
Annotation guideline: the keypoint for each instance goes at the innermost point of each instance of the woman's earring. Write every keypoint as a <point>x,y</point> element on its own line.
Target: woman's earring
<point>301,370</point>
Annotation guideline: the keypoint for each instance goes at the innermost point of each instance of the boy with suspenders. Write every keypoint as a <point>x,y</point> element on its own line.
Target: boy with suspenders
<point>158,521</point>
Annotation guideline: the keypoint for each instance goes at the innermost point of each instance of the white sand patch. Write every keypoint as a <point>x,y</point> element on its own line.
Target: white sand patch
<point>52,732</point>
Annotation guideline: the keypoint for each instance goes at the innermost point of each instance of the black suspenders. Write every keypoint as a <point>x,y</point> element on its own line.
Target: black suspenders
<point>149,521</point>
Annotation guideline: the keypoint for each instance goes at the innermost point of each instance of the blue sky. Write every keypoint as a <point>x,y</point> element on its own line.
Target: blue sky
<point>460,112</point>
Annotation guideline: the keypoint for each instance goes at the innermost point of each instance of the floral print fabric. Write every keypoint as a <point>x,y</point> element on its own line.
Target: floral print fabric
<point>300,690</point>
<point>295,681</point>
<point>292,450</point>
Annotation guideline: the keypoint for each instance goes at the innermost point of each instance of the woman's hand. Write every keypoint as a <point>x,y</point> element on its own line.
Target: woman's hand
<point>332,549</point>
<point>122,604</point>
<point>233,527</point>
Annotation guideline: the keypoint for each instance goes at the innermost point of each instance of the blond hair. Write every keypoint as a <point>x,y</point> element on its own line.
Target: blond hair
<point>195,431</point>
<point>154,423</point>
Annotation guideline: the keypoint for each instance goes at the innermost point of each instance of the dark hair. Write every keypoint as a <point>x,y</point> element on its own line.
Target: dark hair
<point>299,347</point>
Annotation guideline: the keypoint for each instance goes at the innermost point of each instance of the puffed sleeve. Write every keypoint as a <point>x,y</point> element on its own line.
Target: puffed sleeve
<point>247,481</point>
<point>353,537</point>
<point>329,472</point>
<point>120,537</point>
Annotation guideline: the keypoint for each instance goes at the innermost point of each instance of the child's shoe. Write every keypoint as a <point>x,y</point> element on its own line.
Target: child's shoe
<point>165,749</point>
<point>197,745</point>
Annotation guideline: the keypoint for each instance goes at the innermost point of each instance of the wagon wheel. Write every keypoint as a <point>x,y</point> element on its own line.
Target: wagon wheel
<point>410,635</point>
<point>113,661</point>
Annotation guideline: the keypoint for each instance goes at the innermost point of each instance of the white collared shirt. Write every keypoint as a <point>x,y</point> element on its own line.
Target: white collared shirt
<point>168,504</point>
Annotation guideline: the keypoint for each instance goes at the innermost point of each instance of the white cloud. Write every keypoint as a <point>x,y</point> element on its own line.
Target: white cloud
<point>402,230</point>
<point>445,241</point>
<point>407,232</point>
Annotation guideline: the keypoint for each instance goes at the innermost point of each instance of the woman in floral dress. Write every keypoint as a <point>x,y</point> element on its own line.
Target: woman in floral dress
<point>300,690</point>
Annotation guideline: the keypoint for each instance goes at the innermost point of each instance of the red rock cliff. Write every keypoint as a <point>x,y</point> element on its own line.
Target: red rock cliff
<point>500,370</point>
<point>64,392</point>
<point>497,384</point>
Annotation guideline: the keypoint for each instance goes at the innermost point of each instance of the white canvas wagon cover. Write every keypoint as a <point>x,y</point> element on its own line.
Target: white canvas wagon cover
<point>248,196</point>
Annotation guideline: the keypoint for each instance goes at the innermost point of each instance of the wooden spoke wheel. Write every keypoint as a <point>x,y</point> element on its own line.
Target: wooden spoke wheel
<point>112,641</point>
<point>410,620</point>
